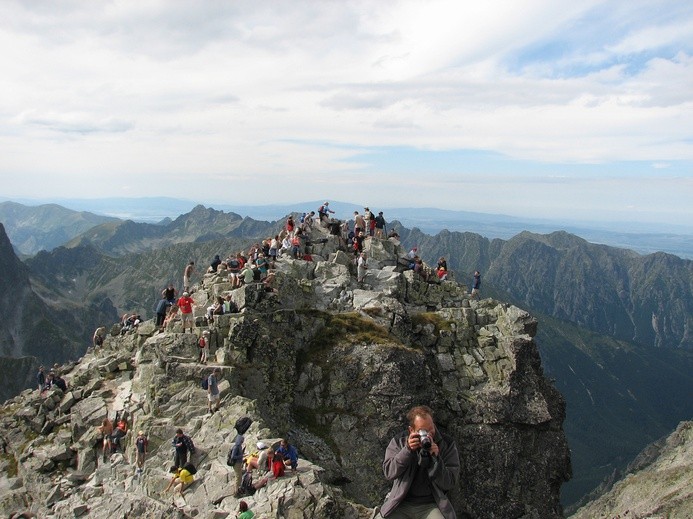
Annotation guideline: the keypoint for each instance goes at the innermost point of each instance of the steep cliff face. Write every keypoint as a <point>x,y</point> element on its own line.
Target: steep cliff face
<point>329,363</point>
<point>656,484</point>
<point>347,380</point>
<point>37,322</point>
<point>16,295</point>
<point>29,323</point>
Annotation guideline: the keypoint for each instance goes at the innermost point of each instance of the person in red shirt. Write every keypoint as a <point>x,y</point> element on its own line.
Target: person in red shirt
<point>185,303</point>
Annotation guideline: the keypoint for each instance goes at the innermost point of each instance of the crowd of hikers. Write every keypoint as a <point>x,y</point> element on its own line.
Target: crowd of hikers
<point>256,265</point>
<point>253,470</point>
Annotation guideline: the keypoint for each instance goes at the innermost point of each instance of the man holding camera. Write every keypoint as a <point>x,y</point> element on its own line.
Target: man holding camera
<point>423,465</point>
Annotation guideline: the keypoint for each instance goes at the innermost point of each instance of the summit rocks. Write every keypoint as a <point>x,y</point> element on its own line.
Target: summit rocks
<point>331,365</point>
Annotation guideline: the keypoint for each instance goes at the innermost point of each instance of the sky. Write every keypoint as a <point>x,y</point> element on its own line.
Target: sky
<point>533,108</point>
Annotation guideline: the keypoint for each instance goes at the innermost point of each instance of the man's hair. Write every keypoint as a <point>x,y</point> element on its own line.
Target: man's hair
<point>179,431</point>
<point>419,410</point>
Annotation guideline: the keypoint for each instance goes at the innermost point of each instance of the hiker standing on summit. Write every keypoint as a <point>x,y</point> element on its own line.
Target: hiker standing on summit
<point>183,445</point>
<point>213,396</point>
<point>185,303</point>
<point>187,274</point>
<point>41,379</point>
<point>324,213</point>
<point>476,286</point>
<point>361,267</point>
<point>380,226</point>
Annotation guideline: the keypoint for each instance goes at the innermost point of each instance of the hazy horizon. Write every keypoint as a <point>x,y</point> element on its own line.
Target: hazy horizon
<point>642,238</point>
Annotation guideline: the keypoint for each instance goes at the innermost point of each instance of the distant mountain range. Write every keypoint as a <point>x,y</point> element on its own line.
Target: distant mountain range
<point>45,227</point>
<point>643,238</point>
<point>613,325</point>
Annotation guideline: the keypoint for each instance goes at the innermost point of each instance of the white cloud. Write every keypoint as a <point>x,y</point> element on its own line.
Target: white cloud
<point>150,93</point>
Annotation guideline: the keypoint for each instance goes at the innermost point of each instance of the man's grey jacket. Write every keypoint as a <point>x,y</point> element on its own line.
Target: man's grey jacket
<point>400,467</point>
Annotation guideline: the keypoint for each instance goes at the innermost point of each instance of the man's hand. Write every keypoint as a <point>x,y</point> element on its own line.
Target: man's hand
<point>414,441</point>
<point>434,450</point>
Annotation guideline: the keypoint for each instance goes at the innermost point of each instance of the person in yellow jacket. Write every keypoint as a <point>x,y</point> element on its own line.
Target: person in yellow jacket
<point>182,478</point>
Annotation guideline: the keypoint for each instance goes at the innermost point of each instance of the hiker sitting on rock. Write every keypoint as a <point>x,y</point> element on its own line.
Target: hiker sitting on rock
<point>55,380</point>
<point>127,323</point>
<point>217,308</point>
<point>230,307</point>
<point>275,460</point>
<point>247,274</point>
<point>171,317</point>
<point>420,269</point>
<point>182,478</point>
<point>244,512</point>
<point>215,264</point>
<point>119,432</point>
<point>442,269</point>
<point>258,458</point>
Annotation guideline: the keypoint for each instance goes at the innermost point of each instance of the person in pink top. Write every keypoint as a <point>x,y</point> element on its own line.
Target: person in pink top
<point>185,303</point>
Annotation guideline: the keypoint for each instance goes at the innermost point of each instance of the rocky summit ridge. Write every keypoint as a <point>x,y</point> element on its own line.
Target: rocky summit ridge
<point>330,364</point>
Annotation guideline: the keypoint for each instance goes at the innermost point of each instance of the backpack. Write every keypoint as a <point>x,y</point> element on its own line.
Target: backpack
<point>231,459</point>
<point>247,488</point>
<point>234,264</point>
<point>243,424</point>
<point>190,468</point>
<point>205,383</point>
<point>202,343</point>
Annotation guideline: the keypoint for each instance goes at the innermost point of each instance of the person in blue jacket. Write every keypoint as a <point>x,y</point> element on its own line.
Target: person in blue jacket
<point>289,453</point>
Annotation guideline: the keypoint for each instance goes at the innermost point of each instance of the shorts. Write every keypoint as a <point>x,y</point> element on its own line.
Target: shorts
<point>187,318</point>
<point>213,398</point>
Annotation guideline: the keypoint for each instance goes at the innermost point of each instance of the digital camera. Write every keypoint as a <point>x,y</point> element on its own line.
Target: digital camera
<point>425,439</point>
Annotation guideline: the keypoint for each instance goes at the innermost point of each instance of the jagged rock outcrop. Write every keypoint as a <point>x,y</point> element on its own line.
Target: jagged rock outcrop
<point>315,357</point>
<point>657,483</point>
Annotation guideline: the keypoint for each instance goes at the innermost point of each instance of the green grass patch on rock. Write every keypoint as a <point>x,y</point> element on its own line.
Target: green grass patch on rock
<point>351,328</point>
<point>424,318</point>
